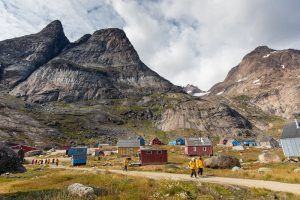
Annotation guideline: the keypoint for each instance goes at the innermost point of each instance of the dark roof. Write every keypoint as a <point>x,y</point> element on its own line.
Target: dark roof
<point>197,141</point>
<point>128,143</point>
<point>291,131</point>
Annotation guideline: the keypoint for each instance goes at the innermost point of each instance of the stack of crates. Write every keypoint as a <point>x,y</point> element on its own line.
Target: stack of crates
<point>79,155</point>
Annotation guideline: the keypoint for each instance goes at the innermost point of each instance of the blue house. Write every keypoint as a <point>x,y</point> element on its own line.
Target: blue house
<point>235,142</point>
<point>173,142</point>
<point>78,154</point>
<point>142,140</point>
<point>250,143</point>
<point>180,141</point>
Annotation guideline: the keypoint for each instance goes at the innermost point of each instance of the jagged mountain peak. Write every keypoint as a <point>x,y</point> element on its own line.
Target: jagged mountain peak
<point>269,77</point>
<point>103,65</point>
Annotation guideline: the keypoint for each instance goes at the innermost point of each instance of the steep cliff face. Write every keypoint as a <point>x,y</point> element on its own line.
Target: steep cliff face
<point>271,78</point>
<point>205,116</point>
<point>18,127</point>
<point>100,66</point>
<point>19,57</point>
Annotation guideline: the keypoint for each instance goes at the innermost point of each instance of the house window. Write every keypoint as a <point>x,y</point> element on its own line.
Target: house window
<point>204,148</point>
<point>149,152</point>
<point>194,148</point>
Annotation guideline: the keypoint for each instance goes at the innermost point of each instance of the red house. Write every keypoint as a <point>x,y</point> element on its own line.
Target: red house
<point>153,156</point>
<point>156,141</point>
<point>198,147</point>
<point>25,148</point>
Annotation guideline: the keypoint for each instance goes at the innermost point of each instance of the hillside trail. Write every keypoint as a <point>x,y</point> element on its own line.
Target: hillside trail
<point>270,185</point>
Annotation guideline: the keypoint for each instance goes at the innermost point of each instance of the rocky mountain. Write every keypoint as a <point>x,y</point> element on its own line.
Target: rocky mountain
<point>97,89</point>
<point>103,65</point>
<point>267,78</point>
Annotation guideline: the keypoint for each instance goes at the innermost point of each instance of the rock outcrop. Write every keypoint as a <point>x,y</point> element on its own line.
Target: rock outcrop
<point>270,78</point>
<point>103,65</point>
<point>269,158</point>
<point>203,115</point>
<point>222,162</point>
<point>18,127</point>
<point>9,161</point>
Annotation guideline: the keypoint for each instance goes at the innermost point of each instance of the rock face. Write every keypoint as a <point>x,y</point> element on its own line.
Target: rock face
<point>269,78</point>
<point>222,162</point>
<point>100,66</point>
<point>19,57</point>
<point>9,161</point>
<point>80,190</point>
<point>15,125</point>
<point>269,158</point>
<point>203,115</point>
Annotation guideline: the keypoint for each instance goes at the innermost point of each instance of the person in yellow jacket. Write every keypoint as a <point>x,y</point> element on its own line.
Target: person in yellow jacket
<point>193,167</point>
<point>200,166</point>
<point>126,163</point>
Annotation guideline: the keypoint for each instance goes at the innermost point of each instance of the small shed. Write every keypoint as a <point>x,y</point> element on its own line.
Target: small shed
<point>268,142</point>
<point>198,147</point>
<point>156,141</point>
<point>142,140</point>
<point>78,155</point>
<point>180,141</point>
<point>128,147</point>
<point>233,142</point>
<point>290,140</point>
<point>249,143</point>
<point>223,141</point>
<point>153,156</point>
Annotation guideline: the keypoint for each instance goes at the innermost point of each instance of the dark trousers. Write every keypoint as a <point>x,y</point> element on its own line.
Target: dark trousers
<point>200,171</point>
<point>125,168</point>
<point>193,173</point>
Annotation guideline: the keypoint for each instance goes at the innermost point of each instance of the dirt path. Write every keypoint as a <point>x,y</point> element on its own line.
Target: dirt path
<point>271,185</point>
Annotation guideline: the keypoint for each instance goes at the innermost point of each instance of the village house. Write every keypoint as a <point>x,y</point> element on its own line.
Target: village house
<point>233,142</point>
<point>178,141</point>
<point>128,147</point>
<point>249,143</point>
<point>141,140</point>
<point>290,139</point>
<point>268,142</point>
<point>156,141</point>
<point>223,141</point>
<point>153,156</point>
<point>198,147</point>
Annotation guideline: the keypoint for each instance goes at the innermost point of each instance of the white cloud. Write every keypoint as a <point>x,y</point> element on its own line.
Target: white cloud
<point>185,41</point>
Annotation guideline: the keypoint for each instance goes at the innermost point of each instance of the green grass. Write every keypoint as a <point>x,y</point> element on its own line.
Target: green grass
<point>52,184</point>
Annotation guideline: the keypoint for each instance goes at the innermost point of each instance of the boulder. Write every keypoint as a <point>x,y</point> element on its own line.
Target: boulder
<point>80,190</point>
<point>297,170</point>
<point>264,169</point>
<point>236,168</point>
<point>268,157</point>
<point>10,161</point>
<point>222,162</point>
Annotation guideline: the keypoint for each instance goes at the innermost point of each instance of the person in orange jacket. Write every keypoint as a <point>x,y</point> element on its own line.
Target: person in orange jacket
<point>193,167</point>
<point>126,163</point>
<point>200,166</point>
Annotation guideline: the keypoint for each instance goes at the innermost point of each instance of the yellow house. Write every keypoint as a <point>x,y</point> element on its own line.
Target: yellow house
<point>128,147</point>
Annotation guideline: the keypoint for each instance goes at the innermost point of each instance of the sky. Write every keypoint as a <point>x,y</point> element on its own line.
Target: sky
<point>186,41</point>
